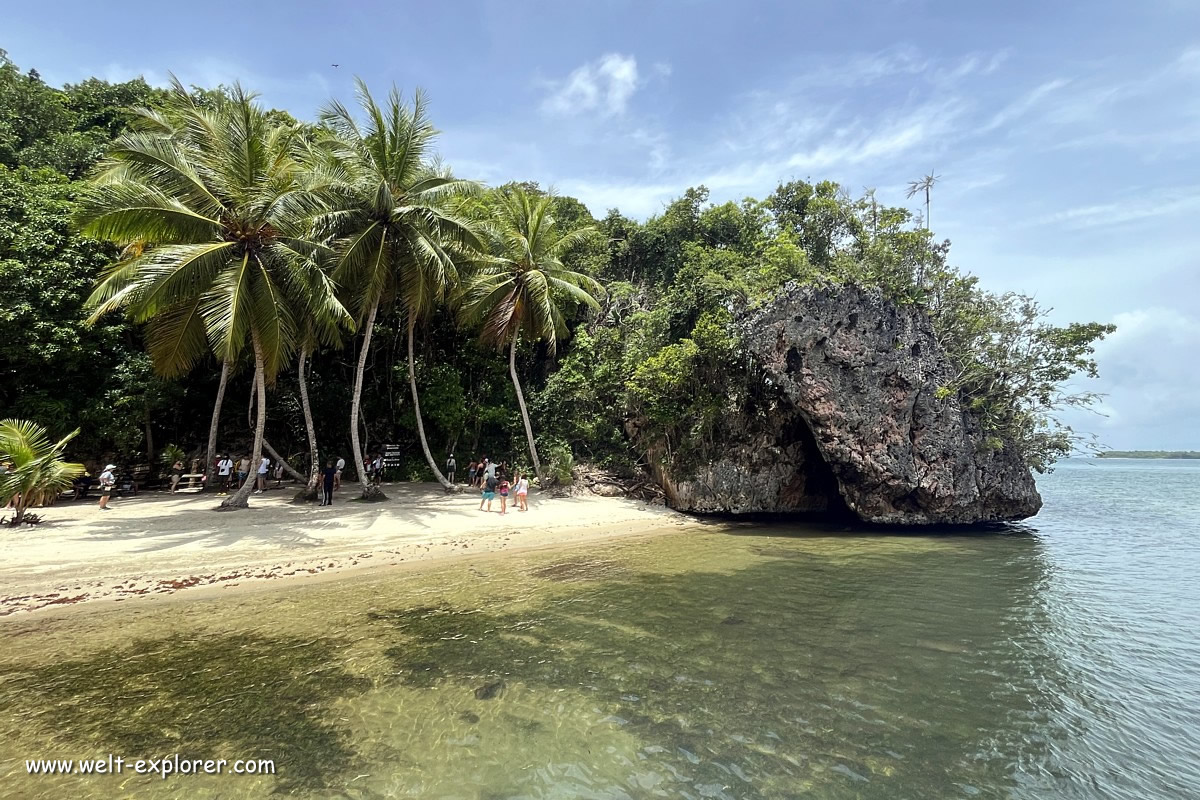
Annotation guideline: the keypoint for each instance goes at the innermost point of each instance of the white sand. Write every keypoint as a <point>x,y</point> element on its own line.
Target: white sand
<point>157,544</point>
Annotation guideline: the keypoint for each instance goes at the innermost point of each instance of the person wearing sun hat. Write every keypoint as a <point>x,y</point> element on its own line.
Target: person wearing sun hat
<point>108,480</point>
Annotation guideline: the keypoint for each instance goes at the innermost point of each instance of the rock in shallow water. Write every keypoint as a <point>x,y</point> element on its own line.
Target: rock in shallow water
<point>857,421</point>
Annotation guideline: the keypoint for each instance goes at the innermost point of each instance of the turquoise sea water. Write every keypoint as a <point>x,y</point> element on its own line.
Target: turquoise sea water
<point>1057,659</point>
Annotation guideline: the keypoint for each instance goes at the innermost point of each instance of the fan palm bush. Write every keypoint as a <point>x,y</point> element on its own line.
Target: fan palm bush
<point>36,472</point>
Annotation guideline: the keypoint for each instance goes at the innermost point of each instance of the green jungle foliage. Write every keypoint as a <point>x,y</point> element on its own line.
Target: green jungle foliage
<point>652,372</point>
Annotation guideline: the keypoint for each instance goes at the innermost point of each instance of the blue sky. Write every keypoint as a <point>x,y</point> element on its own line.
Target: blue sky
<point>1067,134</point>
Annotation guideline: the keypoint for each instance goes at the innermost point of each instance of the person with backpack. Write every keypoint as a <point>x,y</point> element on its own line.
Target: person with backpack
<point>108,480</point>
<point>450,467</point>
<point>225,472</point>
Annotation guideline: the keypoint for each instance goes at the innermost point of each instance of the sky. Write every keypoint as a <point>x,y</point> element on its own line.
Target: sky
<point>1066,133</point>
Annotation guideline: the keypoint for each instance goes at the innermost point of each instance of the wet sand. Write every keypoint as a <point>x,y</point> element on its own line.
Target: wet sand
<point>159,544</point>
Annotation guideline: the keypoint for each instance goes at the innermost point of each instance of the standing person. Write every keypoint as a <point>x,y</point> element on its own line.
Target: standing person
<point>522,489</point>
<point>489,492</point>
<point>451,465</point>
<point>224,472</point>
<point>243,470</point>
<point>263,467</point>
<point>107,481</point>
<point>337,475</point>
<point>176,475</point>
<point>504,487</point>
<point>490,470</point>
<point>471,468</point>
<point>279,475</point>
<point>377,468</point>
<point>328,477</point>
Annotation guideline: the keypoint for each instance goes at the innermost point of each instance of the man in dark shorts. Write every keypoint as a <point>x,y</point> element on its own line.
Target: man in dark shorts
<point>489,491</point>
<point>108,480</point>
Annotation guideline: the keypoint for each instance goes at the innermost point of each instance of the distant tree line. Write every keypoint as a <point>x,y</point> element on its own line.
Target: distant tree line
<point>1149,454</point>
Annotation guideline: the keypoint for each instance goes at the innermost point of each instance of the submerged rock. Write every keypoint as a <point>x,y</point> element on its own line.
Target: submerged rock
<point>857,423</point>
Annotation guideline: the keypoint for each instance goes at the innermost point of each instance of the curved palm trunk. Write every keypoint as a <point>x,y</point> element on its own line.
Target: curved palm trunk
<point>242,498</point>
<point>212,428</point>
<point>314,456</point>
<point>278,459</point>
<point>369,492</point>
<point>412,382</point>
<point>512,370</point>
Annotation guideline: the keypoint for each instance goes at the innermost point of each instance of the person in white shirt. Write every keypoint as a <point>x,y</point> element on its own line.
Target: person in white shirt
<point>225,472</point>
<point>377,469</point>
<point>263,467</point>
<point>337,476</point>
<point>108,479</point>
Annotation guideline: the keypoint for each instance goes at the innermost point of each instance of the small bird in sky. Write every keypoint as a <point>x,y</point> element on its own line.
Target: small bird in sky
<point>333,65</point>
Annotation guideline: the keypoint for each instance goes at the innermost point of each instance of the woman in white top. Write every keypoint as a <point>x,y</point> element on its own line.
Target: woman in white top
<point>522,490</point>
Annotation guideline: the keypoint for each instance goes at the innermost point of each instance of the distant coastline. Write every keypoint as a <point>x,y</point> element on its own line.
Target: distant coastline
<point>1150,454</point>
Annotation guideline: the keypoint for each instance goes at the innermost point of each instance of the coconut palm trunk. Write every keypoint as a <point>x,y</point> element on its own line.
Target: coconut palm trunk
<point>242,498</point>
<point>212,428</point>
<point>412,382</point>
<point>512,370</point>
<point>369,491</point>
<point>288,468</point>
<point>314,455</point>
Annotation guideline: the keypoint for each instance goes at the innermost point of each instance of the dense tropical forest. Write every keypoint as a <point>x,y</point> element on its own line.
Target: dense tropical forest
<point>326,286</point>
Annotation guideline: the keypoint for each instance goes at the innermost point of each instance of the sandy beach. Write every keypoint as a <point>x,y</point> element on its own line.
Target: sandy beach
<point>158,544</point>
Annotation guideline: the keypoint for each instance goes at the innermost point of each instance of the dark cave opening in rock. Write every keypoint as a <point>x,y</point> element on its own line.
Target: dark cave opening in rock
<point>813,492</point>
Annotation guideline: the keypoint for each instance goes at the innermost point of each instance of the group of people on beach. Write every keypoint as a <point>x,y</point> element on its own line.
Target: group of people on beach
<point>228,479</point>
<point>498,480</point>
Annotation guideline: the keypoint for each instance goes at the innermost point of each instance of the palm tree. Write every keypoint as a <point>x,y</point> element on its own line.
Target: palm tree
<point>925,185</point>
<point>321,326</point>
<point>36,471</point>
<point>222,204</point>
<point>397,239</point>
<point>518,289</point>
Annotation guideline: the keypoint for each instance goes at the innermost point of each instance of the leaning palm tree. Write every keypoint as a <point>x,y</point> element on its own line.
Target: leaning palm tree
<point>396,237</point>
<point>222,204</point>
<point>321,325</point>
<point>35,471</point>
<point>518,289</point>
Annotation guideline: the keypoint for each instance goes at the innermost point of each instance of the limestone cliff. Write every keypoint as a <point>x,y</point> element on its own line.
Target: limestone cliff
<point>856,423</point>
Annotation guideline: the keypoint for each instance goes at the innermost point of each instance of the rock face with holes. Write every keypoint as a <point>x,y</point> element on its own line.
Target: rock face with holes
<point>858,424</point>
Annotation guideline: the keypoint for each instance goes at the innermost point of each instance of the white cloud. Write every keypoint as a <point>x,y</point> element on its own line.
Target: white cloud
<point>604,85</point>
<point>1024,104</point>
<point>1136,204</point>
<point>1152,400</point>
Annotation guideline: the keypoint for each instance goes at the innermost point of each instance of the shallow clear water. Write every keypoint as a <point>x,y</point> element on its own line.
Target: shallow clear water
<point>1057,660</point>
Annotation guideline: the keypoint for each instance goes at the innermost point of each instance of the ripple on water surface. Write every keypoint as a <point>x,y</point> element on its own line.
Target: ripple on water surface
<point>772,662</point>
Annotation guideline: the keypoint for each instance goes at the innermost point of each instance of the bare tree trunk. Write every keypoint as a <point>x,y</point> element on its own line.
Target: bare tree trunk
<point>314,457</point>
<point>149,443</point>
<point>412,382</point>
<point>288,468</point>
<point>512,370</point>
<point>242,498</point>
<point>212,428</point>
<point>369,491</point>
